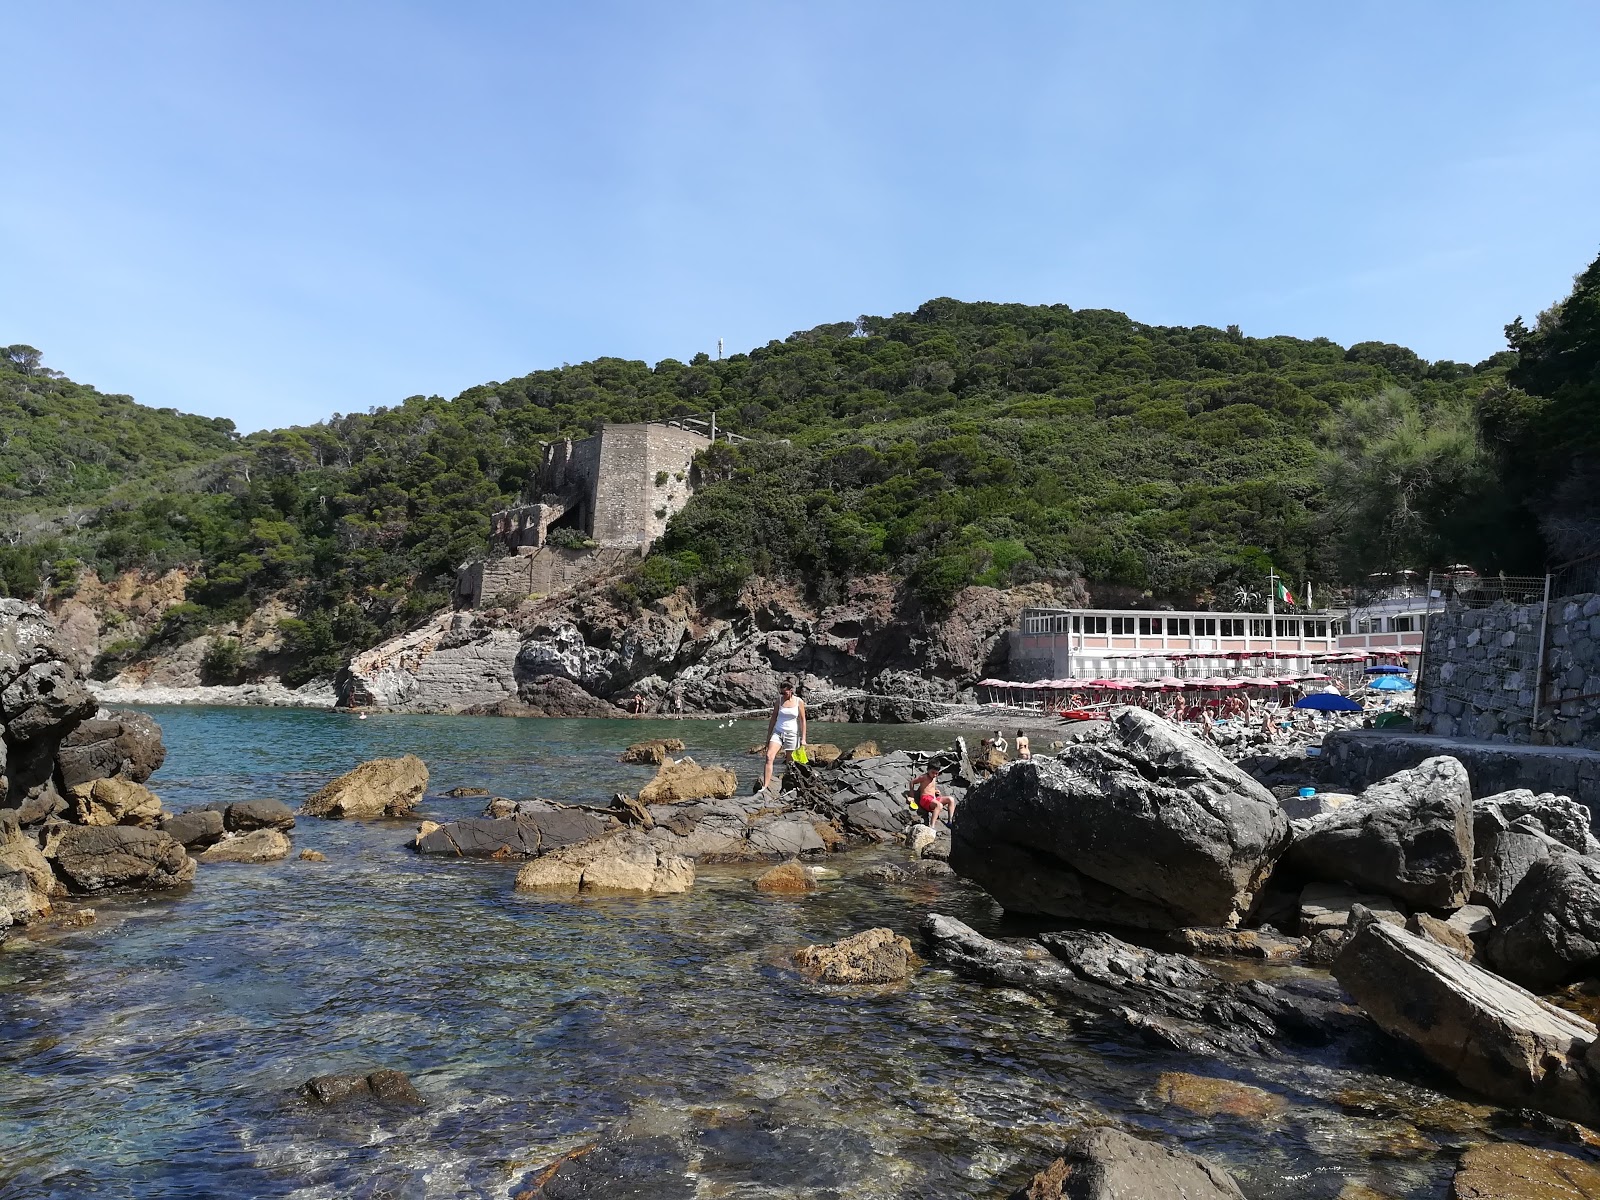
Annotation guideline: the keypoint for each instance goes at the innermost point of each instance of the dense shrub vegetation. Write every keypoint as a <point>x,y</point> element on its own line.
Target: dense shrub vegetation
<point>963,443</point>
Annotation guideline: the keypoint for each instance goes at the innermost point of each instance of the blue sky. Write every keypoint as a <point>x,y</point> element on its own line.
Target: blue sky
<point>273,212</point>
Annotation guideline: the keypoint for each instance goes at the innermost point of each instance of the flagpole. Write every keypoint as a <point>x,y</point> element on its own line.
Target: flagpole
<point>1272,592</point>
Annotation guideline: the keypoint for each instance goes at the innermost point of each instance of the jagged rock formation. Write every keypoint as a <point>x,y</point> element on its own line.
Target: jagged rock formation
<point>75,816</point>
<point>1409,837</point>
<point>1141,825</point>
<point>1168,999</point>
<point>874,640</point>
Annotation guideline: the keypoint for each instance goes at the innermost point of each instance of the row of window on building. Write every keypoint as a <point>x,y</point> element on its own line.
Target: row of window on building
<point>1228,627</point>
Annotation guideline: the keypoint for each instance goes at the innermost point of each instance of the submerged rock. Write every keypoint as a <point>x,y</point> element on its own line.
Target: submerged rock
<point>1549,927</point>
<point>1488,1034</point>
<point>872,956</point>
<point>120,857</point>
<point>383,787</point>
<point>257,846</point>
<point>1409,837</point>
<point>313,856</point>
<point>1508,1171</point>
<point>392,1089</point>
<point>1108,1164</point>
<point>625,861</point>
<point>789,878</point>
<point>1142,825</point>
<point>1211,1097</point>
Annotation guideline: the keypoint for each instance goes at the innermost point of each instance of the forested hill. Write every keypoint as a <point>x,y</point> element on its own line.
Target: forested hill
<point>961,443</point>
<point>64,443</point>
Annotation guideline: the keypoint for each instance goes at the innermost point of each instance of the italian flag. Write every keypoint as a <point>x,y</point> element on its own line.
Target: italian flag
<point>1285,596</point>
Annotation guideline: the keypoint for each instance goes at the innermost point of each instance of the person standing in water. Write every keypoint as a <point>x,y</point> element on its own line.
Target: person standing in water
<point>787,728</point>
<point>1024,748</point>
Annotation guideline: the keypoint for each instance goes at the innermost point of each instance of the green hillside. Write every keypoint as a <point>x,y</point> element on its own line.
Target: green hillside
<point>961,443</point>
<point>65,443</point>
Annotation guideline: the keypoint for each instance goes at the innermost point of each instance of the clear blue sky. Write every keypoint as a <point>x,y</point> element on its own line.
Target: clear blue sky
<point>275,211</point>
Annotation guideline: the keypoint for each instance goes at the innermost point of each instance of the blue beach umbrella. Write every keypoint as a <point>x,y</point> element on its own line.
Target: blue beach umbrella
<point>1391,683</point>
<point>1387,671</point>
<point>1328,702</point>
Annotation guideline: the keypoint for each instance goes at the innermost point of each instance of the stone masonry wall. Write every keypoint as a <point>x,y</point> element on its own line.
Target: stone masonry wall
<point>627,500</point>
<point>1479,672</point>
<point>542,572</point>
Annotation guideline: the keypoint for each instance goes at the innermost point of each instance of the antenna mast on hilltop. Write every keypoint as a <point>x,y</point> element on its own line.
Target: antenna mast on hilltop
<point>719,349</point>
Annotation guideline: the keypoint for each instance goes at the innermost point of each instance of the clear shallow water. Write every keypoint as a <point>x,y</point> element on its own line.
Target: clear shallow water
<point>157,1053</point>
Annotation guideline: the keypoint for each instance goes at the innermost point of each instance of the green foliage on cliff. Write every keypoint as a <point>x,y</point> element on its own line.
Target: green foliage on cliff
<point>962,443</point>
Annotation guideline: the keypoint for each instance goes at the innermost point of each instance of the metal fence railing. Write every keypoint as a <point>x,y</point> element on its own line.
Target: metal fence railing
<point>1576,578</point>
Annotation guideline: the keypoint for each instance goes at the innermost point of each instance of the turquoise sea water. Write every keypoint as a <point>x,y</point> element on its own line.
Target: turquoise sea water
<point>157,1053</point>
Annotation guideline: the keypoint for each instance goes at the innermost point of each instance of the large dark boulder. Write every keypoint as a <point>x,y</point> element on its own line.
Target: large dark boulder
<point>1142,826</point>
<point>124,744</point>
<point>194,830</point>
<point>1108,1164</point>
<point>1503,853</point>
<point>244,815</point>
<point>1488,1034</point>
<point>1169,1000</point>
<point>45,699</point>
<point>107,858</point>
<point>1408,836</point>
<point>1549,927</point>
<point>525,836</point>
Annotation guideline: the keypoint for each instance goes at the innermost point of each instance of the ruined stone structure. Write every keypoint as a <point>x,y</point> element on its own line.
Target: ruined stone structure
<point>533,571</point>
<point>618,487</point>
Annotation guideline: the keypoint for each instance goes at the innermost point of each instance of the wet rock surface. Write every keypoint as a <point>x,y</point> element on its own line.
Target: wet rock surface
<point>1506,1171</point>
<point>1168,999</point>
<point>525,835</point>
<point>1141,826</point>
<point>1109,1164</point>
<point>387,1088</point>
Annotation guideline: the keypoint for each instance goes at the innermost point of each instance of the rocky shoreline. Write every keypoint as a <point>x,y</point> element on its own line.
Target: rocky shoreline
<point>1446,939</point>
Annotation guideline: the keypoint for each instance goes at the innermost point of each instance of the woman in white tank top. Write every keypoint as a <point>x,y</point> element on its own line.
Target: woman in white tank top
<point>787,728</point>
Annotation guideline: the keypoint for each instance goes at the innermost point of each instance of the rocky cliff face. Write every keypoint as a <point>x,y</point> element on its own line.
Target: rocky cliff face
<point>75,816</point>
<point>587,650</point>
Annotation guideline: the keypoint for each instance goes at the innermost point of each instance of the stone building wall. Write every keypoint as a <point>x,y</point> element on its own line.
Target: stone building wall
<point>1480,673</point>
<point>630,508</point>
<point>544,571</point>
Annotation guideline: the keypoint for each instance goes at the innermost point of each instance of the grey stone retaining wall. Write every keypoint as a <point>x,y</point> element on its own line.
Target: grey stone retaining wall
<point>1355,758</point>
<point>1479,673</point>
